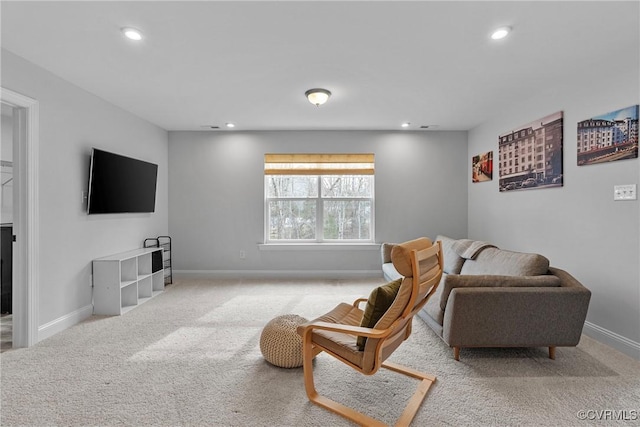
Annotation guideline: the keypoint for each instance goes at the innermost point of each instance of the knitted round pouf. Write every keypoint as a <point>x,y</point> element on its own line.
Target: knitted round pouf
<point>280,344</point>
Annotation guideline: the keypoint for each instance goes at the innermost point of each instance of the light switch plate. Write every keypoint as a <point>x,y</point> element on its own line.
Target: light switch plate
<point>625,192</point>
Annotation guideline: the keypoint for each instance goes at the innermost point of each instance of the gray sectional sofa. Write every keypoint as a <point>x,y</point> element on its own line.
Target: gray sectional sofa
<point>489,297</point>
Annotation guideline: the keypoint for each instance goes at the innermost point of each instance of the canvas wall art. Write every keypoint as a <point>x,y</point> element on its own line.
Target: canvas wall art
<point>609,137</point>
<point>482,167</point>
<point>531,155</point>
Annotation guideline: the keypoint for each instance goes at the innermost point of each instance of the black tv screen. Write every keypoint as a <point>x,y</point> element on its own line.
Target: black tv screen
<point>119,184</point>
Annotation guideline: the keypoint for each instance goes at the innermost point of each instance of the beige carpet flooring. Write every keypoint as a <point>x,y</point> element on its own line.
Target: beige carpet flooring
<point>191,357</point>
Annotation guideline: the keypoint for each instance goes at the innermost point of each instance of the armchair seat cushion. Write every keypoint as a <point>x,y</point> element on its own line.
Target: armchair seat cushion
<point>344,345</point>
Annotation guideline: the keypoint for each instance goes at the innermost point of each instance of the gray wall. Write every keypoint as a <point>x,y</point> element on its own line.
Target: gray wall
<point>71,122</point>
<point>216,191</point>
<point>578,227</point>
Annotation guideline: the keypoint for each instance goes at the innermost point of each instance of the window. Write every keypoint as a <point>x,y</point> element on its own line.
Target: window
<point>319,198</point>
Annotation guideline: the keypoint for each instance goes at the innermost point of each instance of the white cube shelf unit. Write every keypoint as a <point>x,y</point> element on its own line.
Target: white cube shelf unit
<point>123,281</point>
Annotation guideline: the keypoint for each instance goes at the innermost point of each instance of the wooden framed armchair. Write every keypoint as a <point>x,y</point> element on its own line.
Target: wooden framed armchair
<point>339,333</point>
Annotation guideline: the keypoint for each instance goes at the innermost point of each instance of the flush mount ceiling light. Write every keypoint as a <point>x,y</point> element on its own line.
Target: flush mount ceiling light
<point>132,33</point>
<point>317,96</point>
<point>230,125</point>
<point>405,124</point>
<point>501,33</point>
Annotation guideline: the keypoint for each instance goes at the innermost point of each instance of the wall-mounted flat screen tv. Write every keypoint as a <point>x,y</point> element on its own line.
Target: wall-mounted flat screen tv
<point>119,184</point>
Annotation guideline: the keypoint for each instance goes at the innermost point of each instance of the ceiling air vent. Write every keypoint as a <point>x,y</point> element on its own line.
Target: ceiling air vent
<point>210,127</point>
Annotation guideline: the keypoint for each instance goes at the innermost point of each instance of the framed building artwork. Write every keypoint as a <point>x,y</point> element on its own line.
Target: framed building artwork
<point>609,137</point>
<point>482,167</point>
<point>531,155</point>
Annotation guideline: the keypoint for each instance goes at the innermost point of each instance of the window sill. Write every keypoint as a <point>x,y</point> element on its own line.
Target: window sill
<point>319,246</point>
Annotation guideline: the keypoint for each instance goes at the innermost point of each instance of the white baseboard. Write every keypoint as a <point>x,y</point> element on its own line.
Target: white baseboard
<point>60,324</point>
<point>605,336</point>
<point>278,274</point>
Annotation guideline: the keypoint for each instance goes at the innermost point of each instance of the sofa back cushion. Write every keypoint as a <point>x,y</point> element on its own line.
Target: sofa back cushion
<point>385,252</point>
<point>506,263</point>
<point>452,261</point>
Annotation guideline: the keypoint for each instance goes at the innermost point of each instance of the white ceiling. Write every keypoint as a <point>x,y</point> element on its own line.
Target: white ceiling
<point>426,62</point>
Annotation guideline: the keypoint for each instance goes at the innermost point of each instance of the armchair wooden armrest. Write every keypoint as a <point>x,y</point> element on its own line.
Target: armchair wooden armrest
<point>357,302</point>
<point>347,329</point>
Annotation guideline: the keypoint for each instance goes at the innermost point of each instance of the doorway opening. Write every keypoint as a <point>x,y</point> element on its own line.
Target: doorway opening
<point>6,225</point>
<point>24,203</point>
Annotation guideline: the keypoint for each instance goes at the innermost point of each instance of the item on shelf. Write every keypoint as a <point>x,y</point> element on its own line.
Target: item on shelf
<point>163,242</point>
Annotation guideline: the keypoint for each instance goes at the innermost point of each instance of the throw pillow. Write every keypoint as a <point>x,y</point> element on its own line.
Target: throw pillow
<point>378,303</point>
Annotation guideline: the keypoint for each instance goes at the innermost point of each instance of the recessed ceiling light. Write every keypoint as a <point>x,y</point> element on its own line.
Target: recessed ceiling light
<point>132,33</point>
<point>501,33</point>
<point>405,124</point>
<point>230,125</point>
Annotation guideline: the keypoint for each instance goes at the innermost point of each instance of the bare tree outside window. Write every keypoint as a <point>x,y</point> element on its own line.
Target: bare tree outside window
<point>292,209</point>
<point>319,207</point>
<point>319,197</point>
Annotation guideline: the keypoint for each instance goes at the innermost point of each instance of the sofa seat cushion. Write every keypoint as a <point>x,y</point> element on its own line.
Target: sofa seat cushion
<point>496,261</point>
<point>432,307</point>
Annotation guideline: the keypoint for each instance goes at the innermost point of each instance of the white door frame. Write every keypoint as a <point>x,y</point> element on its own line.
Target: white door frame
<point>25,217</point>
